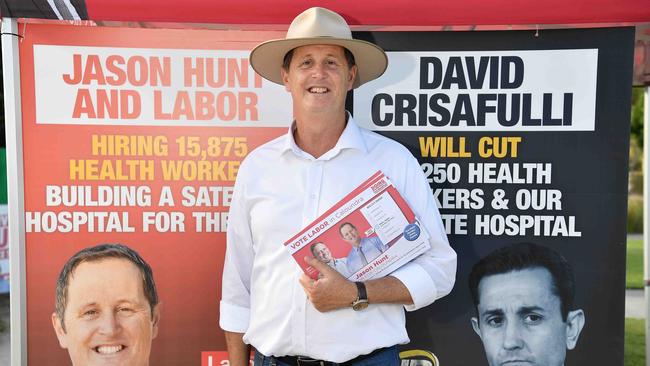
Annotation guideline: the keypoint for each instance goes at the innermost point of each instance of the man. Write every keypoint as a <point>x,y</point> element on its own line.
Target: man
<point>321,252</point>
<point>106,307</point>
<point>287,183</point>
<point>523,295</point>
<point>363,250</point>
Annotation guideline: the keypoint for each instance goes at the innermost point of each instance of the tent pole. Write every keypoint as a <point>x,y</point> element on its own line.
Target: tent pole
<point>13,127</point>
<point>646,217</point>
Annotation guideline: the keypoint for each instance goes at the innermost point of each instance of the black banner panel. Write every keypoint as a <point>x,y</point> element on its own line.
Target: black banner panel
<point>524,137</point>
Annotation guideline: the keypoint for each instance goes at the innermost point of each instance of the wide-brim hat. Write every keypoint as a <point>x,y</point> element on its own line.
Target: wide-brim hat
<point>319,26</point>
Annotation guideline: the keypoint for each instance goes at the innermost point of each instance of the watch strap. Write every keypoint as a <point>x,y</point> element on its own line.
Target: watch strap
<point>362,294</point>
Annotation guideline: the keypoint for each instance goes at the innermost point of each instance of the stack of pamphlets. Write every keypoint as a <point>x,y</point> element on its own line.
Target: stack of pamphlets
<point>368,234</point>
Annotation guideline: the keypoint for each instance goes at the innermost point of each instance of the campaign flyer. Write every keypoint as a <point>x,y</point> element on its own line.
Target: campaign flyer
<point>368,234</point>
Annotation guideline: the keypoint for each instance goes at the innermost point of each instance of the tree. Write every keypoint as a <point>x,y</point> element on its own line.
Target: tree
<point>636,123</point>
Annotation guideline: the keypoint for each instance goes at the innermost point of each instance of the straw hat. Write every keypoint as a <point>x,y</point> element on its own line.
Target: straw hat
<point>318,26</point>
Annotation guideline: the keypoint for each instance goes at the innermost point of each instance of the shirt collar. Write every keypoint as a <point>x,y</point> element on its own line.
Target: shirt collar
<point>351,138</point>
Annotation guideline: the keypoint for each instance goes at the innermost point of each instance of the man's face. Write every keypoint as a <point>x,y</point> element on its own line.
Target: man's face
<point>520,321</point>
<point>108,320</point>
<point>322,253</point>
<point>350,234</point>
<point>319,78</point>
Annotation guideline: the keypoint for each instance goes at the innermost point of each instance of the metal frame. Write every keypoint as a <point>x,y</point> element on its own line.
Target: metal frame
<point>646,216</point>
<point>15,179</point>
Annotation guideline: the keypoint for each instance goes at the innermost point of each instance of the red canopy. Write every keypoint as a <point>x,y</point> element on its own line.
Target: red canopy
<point>360,12</point>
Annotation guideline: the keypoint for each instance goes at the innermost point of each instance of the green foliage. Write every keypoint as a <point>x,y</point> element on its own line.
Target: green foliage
<point>636,120</point>
<point>634,268</point>
<point>636,159</point>
<point>634,342</point>
<point>635,214</point>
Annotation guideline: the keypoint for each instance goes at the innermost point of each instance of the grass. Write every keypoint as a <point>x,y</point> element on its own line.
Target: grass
<point>634,268</point>
<point>634,342</point>
<point>634,328</point>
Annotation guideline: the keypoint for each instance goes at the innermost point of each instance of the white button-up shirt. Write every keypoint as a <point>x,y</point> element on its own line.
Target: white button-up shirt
<point>279,190</point>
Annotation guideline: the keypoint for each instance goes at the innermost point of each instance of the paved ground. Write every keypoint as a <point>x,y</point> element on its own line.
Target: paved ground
<point>634,304</point>
<point>635,236</point>
<point>635,299</point>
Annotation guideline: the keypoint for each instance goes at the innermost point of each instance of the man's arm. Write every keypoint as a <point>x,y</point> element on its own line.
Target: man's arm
<point>333,291</point>
<point>431,275</point>
<point>238,351</point>
<point>378,244</point>
<point>387,290</point>
<point>235,289</point>
<point>417,283</point>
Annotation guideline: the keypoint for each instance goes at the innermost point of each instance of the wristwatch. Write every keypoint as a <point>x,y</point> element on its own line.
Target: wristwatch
<point>362,297</point>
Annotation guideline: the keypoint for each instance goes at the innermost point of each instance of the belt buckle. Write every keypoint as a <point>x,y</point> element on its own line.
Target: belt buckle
<point>309,362</point>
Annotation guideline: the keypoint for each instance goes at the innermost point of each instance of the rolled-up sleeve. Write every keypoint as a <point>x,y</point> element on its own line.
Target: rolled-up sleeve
<point>431,275</point>
<point>234,309</point>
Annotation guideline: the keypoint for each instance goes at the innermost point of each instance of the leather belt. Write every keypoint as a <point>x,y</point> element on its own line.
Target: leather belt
<point>306,361</point>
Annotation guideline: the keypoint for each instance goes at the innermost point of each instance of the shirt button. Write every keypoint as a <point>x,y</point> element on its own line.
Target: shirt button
<point>312,196</point>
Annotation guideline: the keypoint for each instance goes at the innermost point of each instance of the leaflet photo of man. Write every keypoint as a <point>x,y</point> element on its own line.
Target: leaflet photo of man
<point>107,308</point>
<point>324,254</point>
<point>363,251</point>
<point>523,294</point>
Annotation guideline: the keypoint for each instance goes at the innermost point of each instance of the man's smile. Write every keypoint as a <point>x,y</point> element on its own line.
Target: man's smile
<point>318,90</point>
<point>109,350</point>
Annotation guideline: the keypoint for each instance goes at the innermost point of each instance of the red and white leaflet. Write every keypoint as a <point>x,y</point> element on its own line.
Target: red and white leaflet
<point>385,217</point>
<point>368,234</point>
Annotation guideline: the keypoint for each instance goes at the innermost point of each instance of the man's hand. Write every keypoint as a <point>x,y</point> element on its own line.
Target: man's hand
<point>238,351</point>
<point>331,291</point>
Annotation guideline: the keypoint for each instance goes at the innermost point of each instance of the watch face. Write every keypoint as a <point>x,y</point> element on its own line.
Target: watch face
<point>359,305</point>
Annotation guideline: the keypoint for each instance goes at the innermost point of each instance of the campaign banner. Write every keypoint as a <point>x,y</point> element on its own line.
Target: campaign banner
<point>483,91</point>
<point>368,234</point>
<point>135,136</point>
<point>524,139</point>
<point>136,86</point>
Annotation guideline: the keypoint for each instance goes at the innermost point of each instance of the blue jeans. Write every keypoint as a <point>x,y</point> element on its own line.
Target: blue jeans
<point>387,357</point>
